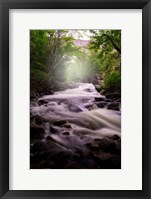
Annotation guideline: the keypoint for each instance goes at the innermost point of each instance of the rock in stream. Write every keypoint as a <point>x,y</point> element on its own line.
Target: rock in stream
<point>72,129</point>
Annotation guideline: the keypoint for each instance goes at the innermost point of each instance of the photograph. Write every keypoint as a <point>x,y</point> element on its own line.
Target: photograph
<point>75,99</point>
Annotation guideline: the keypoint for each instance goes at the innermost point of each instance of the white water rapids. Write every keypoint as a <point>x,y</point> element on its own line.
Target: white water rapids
<point>69,131</point>
<point>77,106</point>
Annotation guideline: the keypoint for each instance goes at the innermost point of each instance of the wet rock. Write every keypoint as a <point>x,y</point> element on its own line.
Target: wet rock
<point>93,146</point>
<point>54,129</point>
<point>49,92</point>
<point>79,151</point>
<point>99,99</point>
<point>49,138</point>
<point>88,164</point>
<point>118,146</point>
<point>38,120</point>
<point>60,159</point>
<point>65,133</point>
<point>61,102</point>
<point>82,153</point>
<point>74,108</point>
<point>46,165</point>
<point>108,100</point>
<point>101,104</point>
<point>67,125</point>
<point>94,107</point>
<point>54,146</point>
<point>112,163</point>
<point>37,157</point>
<point>59,122</point>
<point>62,148</point>
<point>42,102</point>
<point>72,165</point>
<point>113,106</point>
<point>44,153</point>
<point>113,96</point>
<point>88,90</point>
<point>38,146</point>
<point>36,132</point>
<point>102,155</point>
<point>80,163</point>
<point>52,103</point>
<point>104,143</point>
<point>33,103</point>
<point>97,140</point>
<point>88,105</point>
<point>115,137</point>
<point>98,88</point>
<point>108,145</point>
<point>118,100</point>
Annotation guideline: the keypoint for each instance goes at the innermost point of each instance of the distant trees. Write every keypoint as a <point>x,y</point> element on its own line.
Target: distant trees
<point>49,51</point>
<point>60,44</point>
<point>38,56</point>
<point>107,40</point>
<point>105,46</point>
<point>53,54</point>
<point>38,53</point>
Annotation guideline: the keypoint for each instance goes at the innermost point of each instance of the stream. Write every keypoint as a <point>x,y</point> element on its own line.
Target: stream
<point>74,129</point>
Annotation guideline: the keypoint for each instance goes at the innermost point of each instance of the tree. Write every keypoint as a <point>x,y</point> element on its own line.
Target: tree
<point>107,40</point>
<point>38,43</point>
<point>50,50</point>
<point>107,47</point>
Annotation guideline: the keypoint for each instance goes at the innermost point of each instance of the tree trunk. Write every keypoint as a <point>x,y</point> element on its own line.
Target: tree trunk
<point>114,45</point>
<point>53,52</point>
<point>56,52</point>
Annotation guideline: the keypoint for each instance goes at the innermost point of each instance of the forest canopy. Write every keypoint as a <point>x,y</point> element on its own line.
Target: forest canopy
<point>60,57</point>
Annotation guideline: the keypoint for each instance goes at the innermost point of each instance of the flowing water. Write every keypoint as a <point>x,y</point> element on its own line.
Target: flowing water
<point>75,133</point>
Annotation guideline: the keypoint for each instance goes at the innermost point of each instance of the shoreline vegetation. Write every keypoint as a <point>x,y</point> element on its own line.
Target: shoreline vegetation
<point>59,58</point>
<point>75,99</point>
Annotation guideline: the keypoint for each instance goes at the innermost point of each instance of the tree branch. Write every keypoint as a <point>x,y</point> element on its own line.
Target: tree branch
<point>114,45</point>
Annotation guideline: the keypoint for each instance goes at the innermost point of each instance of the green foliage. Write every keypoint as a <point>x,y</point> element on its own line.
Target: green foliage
<point>38,44</point>
<point>39,80</point>
<point>107,46</point>
<point>105,50</point>
<point>113,81</point>
<point>55,58</point>
<point>107,40</point>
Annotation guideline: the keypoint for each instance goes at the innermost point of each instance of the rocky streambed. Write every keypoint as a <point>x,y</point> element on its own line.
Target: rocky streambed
<point>75,129</point>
